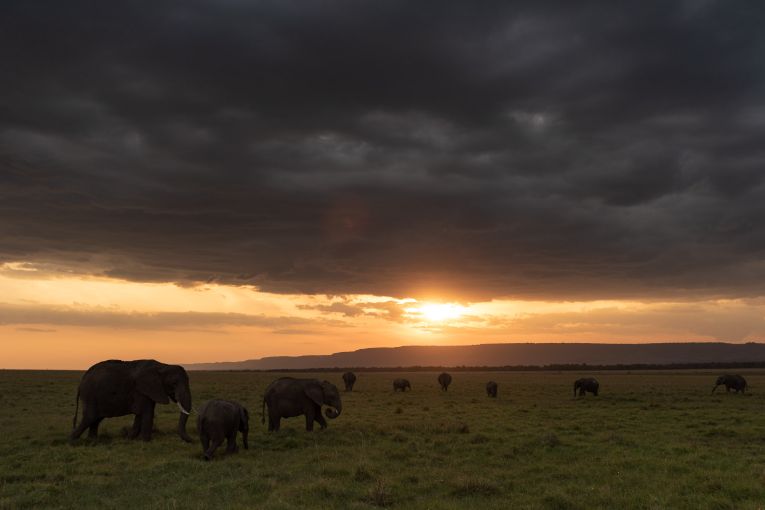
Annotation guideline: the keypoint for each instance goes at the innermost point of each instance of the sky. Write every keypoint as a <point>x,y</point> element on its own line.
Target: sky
<point>222,180</point>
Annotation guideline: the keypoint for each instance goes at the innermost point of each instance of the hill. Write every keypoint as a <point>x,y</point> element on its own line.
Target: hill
<point>515,354</point>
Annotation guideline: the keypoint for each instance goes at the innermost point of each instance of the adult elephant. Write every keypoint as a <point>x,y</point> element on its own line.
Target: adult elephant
<point>349,378</point>
<point>444,380</point>
<point>491,389</point>
<point>118,388</point>
<point>736,382</point>
<point>401,384</point>
<point>586,384</point>
<point>288,397</point>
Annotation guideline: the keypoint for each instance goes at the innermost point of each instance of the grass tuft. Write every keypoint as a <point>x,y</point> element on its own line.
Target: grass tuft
<point>474,487</point>
<point>550,440</point>
<point>380,495</point>
<point>362,474</point>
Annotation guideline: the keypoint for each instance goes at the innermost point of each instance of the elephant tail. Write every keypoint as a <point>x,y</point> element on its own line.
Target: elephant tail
<point>76,408</point>
<point>263,411</point>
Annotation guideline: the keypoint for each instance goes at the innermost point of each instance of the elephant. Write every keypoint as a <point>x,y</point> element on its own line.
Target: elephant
<point>491,389</point>
<point>444,380</point>
<point>586,384</point>
<point>349,378</point>
<point>288,397</point>
<point>401,384</point>
<point>117,388</point>
<point>736,382</point>
<point>222,419</point>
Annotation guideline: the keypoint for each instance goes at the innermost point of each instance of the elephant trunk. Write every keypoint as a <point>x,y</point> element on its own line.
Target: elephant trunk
<point>333,411</point>
<point>244,439</point>
<point>184,403</point>
<point>713,389</point>
<point>575,385</point>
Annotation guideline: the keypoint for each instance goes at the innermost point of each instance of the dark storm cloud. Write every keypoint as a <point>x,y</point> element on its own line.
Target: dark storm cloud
<point>531,149</point>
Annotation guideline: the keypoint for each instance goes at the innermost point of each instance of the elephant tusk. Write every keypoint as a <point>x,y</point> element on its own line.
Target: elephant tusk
<point>182,409</point>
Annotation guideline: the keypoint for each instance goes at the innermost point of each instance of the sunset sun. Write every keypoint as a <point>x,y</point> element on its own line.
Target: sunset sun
<point>436,312</point>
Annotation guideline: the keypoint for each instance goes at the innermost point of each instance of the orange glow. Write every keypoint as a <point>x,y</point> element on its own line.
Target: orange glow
<point>70,321</point>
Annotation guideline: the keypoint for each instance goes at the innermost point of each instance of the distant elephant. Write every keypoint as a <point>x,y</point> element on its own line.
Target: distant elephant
<point>288,397</point>
<point>349,378</point>
<point>586,384</point>
<point>117,388</point>
<point>219,420</point>
<point>736,382</point>
<point>491,389</point>
<point>401,384</point>
<point>444,380</point>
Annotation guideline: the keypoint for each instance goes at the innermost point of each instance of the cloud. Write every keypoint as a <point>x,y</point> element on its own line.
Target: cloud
<point>36,330</point>
<point>398,149</point>
<point>335,307</point>
<point>389,310</point>
<point>11,314</point>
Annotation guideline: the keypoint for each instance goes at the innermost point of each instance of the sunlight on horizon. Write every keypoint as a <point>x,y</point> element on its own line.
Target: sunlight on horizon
<point>54,319</point>
<point>436,312</point>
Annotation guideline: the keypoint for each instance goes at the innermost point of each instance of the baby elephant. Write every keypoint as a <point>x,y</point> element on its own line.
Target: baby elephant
<point>444,380</point>
<point>219,420</point>
<point>401,384</point>
<point>491,389</point>
<point>586,384</point>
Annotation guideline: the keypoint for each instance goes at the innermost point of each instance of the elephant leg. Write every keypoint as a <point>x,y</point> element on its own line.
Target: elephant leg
<point>93,429</point>
<point>214,444</point>
<point>136,428</point>
<point>88,417</point>
<point>273,421</point>
<point>309,417</point>
<point>231,443</point>
<point>319,418</point>
<point>147,423</point>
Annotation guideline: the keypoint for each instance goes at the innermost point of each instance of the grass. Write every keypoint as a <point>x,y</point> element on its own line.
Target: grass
<point>650,440</point>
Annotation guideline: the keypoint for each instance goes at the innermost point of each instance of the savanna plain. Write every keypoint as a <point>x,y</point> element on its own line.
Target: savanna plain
<point>651,439</point>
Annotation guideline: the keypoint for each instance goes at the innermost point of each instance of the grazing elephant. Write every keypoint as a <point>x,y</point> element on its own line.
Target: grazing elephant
<point>401,384</point>
<point>736,382</point>
<point>117,388</point>
<point>491,389</point>
<point>586,384</point>
<point>444,380</point>
<point>219,420</point>
<point>349,378</point>
<point>288,397</point>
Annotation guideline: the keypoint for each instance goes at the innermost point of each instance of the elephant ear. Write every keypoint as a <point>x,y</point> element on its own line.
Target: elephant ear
<point>149,383</point>
<point>315,393</point>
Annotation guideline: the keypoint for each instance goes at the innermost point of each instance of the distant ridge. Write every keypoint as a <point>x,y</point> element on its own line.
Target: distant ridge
<point>511,354</point>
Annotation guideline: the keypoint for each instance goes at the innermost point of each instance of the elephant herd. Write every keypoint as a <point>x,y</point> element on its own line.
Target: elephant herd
<point>118,388</point>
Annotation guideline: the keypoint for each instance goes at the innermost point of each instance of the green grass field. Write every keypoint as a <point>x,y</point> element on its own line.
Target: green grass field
<point>650,440</point>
